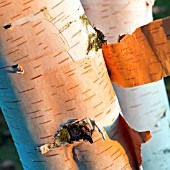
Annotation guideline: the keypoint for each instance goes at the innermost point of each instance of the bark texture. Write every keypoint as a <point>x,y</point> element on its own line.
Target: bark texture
<point>142,106</point>
<point>61,82</point>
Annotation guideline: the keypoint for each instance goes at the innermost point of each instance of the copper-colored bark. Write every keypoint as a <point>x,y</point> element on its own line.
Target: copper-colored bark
<point>142,57</point>
<point>131,140</point>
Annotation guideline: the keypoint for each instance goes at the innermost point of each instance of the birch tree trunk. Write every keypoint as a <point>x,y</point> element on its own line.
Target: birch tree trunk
<point>49,40</point>
<point>145,107</point>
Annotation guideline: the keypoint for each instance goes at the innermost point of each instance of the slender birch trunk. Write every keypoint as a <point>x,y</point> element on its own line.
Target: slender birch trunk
<point>145,107</point>
<point>47,41</point>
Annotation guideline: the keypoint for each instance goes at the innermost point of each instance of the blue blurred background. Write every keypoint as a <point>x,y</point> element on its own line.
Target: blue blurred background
<point>8,155</point>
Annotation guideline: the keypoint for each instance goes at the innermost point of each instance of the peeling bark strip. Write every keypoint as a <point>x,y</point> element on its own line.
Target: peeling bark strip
<point>135,138</point>
<point>142,57</point>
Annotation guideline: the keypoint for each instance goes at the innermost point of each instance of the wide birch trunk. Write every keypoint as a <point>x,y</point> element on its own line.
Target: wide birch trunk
<point>145,107</point>
<point>49,39</point>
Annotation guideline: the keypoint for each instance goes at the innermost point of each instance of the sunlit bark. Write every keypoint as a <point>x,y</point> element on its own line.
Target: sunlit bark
<point>47,41</point>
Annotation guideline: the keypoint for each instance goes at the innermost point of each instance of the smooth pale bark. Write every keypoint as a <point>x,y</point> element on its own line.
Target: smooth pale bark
<point>61,82</point>
<point>145,107</point>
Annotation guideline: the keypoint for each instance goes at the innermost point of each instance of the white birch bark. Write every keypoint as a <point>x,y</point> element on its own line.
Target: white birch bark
<point>145,107</point>
<point>61,82</point>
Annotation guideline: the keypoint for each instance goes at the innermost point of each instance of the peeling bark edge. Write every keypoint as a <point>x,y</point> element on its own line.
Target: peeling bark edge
<point>142,57</point>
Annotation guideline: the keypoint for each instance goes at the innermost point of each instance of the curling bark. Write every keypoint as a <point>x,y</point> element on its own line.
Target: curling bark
<point>145,107</point>
<point>48,40</point>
